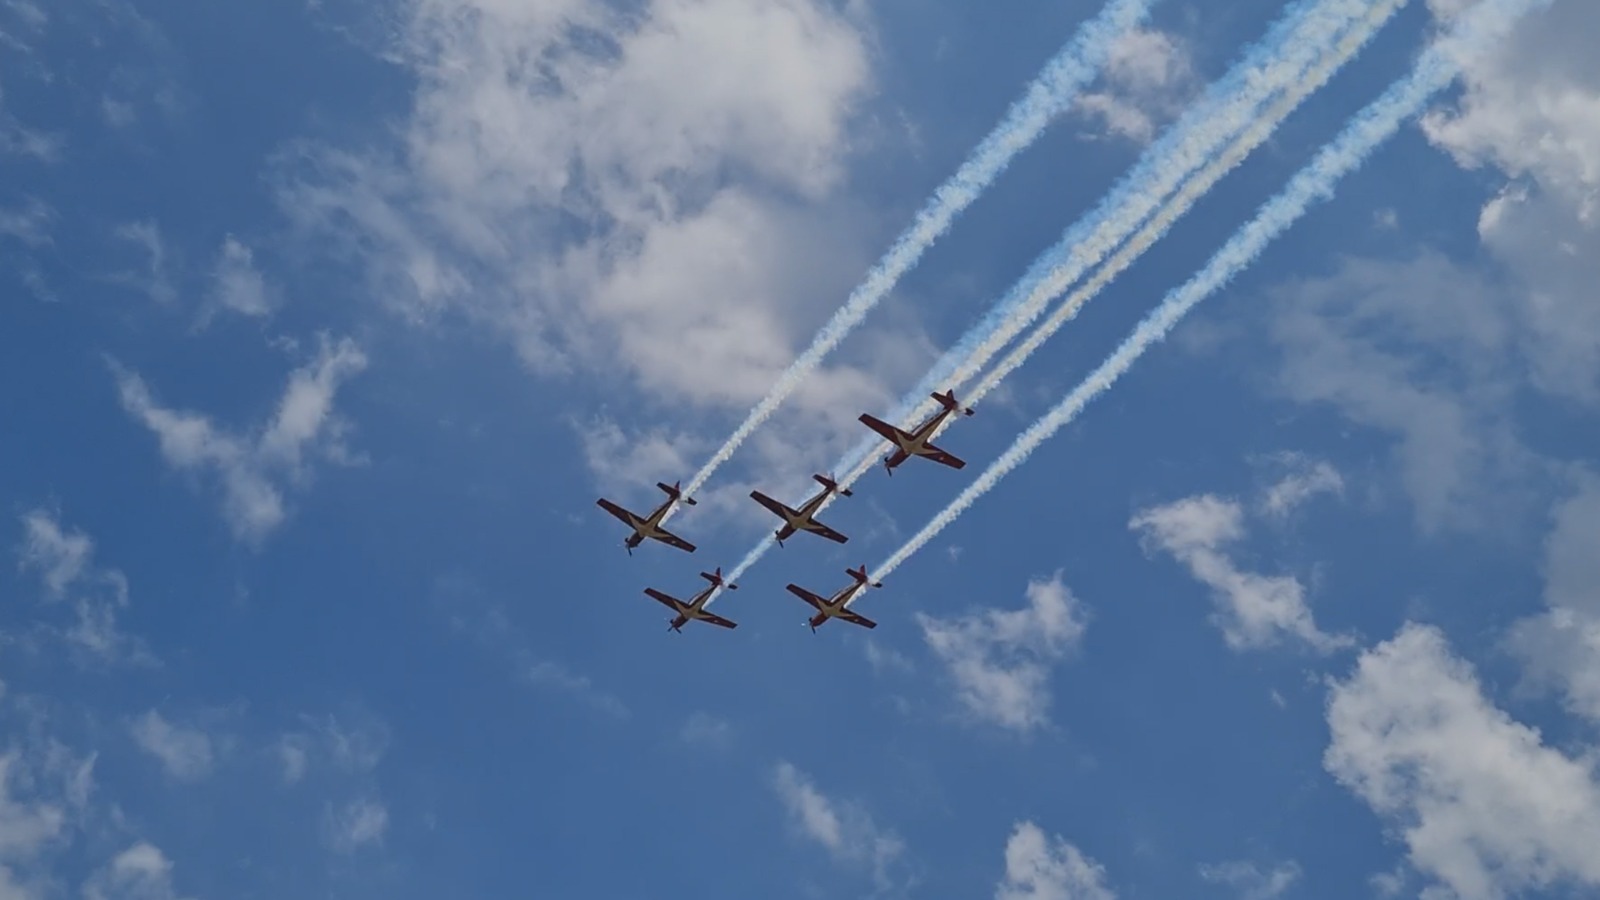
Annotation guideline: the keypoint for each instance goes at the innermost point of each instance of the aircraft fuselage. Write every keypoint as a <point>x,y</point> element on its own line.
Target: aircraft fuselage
<point>918,444</point>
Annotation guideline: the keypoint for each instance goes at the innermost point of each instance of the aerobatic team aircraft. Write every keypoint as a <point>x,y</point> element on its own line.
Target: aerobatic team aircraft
<point>801,519</point>
<point>650,526</point>
<point>834,607</point>
<point>695,608</point>
<point>915,443</point>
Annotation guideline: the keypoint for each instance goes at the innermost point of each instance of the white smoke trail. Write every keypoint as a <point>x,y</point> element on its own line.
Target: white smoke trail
<point>1214,137</point>
<point>1047,97</point>
<point>1437,68</point>
<point>1293,58</point>
<point>1156,228</point>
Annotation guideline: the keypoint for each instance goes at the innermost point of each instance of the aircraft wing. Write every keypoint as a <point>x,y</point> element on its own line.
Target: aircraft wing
<point>715,619</point>
<point>672,540</point>
<point>818,528</point>
<point>629,518</point>
<point>855,618</point>
<point>889,432</point>
<point>943,457</point>
<point>676,604</point>
<point>782,511</point>
<point>807,596</point>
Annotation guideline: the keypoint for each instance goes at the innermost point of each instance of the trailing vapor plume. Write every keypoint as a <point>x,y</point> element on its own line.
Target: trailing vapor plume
<point>1047,97</point>
<point>1437,68</point>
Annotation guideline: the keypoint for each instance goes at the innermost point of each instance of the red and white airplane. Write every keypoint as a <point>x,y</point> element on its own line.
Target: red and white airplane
<point>695,608</point>
<point>801,519</point>
<point>834,607</point>
<point>915,442</point>
<point>650,526</point>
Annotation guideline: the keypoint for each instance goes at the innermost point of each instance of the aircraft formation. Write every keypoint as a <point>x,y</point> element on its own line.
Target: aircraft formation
<point>918,442</point>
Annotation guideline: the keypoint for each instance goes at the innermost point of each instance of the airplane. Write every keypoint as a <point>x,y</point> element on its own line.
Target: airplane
<point>834,607</point>
<point>801,519</point>
<point>695,608</point>
<point>650,526</point>
<point>915,443</point>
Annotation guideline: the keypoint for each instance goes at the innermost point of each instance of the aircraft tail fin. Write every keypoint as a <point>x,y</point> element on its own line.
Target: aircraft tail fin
<point>861,576</point>
<point>948,400</point>
<point>674,491</point>
<point>716,579</point>
<point>831,485</point>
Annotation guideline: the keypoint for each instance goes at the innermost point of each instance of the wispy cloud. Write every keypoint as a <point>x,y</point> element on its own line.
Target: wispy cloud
<point>1254,611</point>
<point>1482,804</point>
<point>354,825</point>
<point>61,557</point>
<point>1042,867</point>
<point>352,744</point>
<point>141,872</point>
<point>1303,479</point>
<point>1148,78</point>
<point>1249,881</point>
<point>237,285</point>
<point>185,752</point>
<point>844,829</point>
<point>487,623</point>
<point>255,468</point>
<point>155,279</point>
<point>1000,660</point>
<point>30,223</point>
<point>1561,646</point>
<point>703,729</point>
<point>64,561</point>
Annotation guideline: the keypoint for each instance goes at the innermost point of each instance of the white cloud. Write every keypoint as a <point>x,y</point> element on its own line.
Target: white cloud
<point>1148,78</point>
<point>1000,660</point>
<point>28,224</point>
<point>155,279</point>
<point>1254,611</point>
<point>1422,350</point>
<point>706,730</point>
<point>25,826</point>
<point>1041,867</point>
<point>237,285</point>
<point>250,467</point>
<point>63,558</point>
<point>844,829</point>
<point>141,872</point>
<point>353,745</point>
<point>185,753</point>
<point>1483,805</point>
<point>355,825</point>
<point>60,556</point>
<point>652,195</point>
<point>1250,882</point>
<point>1305,479</point>
<point>1562,646</point>
<point>294,756</point>
<point>552,674</point>
<point>1531,108</point>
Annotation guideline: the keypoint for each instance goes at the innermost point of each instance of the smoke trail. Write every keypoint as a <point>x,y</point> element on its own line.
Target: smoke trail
<point>1375,124</point>
<point>1232,123</point>
<point>1049,94</point>
<point>1223,128</point>
<point>1157,227</point>
<point>1295,43</point>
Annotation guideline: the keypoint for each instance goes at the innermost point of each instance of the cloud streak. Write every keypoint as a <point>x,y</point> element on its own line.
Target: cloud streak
<point>251,466</point>
<point>1372,126</point>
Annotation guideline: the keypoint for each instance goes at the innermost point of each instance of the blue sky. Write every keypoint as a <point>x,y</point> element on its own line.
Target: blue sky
<point>325,324</point>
